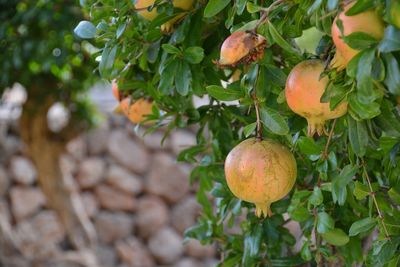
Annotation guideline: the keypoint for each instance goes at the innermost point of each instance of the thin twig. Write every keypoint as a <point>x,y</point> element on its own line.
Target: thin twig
<point>372,194</point>
<point>325,154</point>
<point>259,127</point>
<point>266,12</point>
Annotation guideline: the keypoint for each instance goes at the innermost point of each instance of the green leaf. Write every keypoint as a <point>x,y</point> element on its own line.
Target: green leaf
<point>85,30</point>
<point>249,129</point>
<point>392,80</point>
<point>394,195</point>
<point>325,223</point>
<point>120,30</point>
<point>360,110</point>
<point>194,54</point>
<point>316,198</point>
<point>252,242</point>
<point>167,76</point>
<point>391,40</point>
<point>340,182</point>
<point>214,7</point>
<point>360,40</point>
<point>305,251</point>
<point>183,79</point>
<point>388,121</point>
<point>361,226</point>
<point>360,6</point>
<point>223,94</point>
<point>336,237</point>
<point>360,191</point>
<point>358,136</point>
<point>273,121</point>
<point>277,37</point>
<point>107,61</point>
<point>170,49</point>
<point>308,146</point>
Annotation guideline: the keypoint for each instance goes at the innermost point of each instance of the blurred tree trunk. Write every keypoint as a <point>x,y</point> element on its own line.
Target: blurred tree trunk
<point>45,148</point>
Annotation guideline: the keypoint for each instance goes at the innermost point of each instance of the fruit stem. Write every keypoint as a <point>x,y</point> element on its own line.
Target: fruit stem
<point>372,194</point>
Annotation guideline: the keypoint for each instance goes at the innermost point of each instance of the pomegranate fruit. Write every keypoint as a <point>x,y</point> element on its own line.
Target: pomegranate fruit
<point>241,48</point>
<point>142,6</point>
<point>115,90</point>
<point>137,110</point>
<point>260,172</point>
<point>368,22</point>
<point>304,89</point>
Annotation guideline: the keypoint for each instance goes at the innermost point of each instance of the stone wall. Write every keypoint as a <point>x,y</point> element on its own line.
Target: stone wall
<point>135,193</point>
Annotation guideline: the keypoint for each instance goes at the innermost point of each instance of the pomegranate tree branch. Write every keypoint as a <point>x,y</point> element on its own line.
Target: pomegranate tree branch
<point>325,154</point>
<point>266,11</point>
<point>259,126</point>
<point>372,194</point>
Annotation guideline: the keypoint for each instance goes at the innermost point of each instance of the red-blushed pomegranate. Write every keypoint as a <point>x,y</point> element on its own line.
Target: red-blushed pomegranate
<point>115,90</point>
<point>241,48</point>
<point>304,89</point>
<point>136,110</point>
<point>368,22</point>
<point>260,172</point>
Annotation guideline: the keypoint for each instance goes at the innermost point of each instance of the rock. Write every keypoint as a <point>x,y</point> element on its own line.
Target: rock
<point>128,153</point>
<point>39,237</point>
<point>23,170</point>
<point>4,181</point>
<point>151,214</point>
<point>25,201</point>
<point>97,139</point>
<point>188,262</point>
<point>90,203</point>
<point>77,148</point>
<point>185,213</point>
<point>132,252</point>
<point>124,180</point>
<point>67,164</point>
<point>114,199</point>
<point>167,179</point>
<point>112,226</point>
<point>181,140</point>
<point>194,248</point>
<point>91,172</point>
<point>166,246</point>
<point>106,256</point>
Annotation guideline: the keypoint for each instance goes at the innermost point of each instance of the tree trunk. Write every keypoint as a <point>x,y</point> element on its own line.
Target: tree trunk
<point>45,149</point>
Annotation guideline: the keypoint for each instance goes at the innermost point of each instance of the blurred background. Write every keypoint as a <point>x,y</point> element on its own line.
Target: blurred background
<point>79,185</point>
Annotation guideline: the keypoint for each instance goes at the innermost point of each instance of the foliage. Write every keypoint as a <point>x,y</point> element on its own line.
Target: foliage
<point>348,184</point>
<point>40,51</point>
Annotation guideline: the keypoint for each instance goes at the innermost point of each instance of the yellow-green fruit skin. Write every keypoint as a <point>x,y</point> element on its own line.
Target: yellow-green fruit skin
<point>140,4</point>
<point>368,22</point>
<point>260,172</point>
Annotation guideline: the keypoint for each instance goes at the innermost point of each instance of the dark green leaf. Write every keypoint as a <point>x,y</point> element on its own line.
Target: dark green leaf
<point>194,54</point>
<point>223,94</point>
<point>316,198</point>
<point>361,226</point>
<point>184,78</point>
<point>360,110</point>
<point>273,121</point>
<point>325,223</point>
<point>249,129</point>
<point>107,61</point>
<point>340,182</point>
<point>360,6</point>
<point>252,242</point>
<point>214,7</point>
<point>358,136</point>
<point>85,30</point>
<point>392,74</point>
<point>360,40</point>
<point>336,237</point>
<point>308,146</point>
<point>170,49</point>
<point>277,37</point>
<point>391,40</point>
